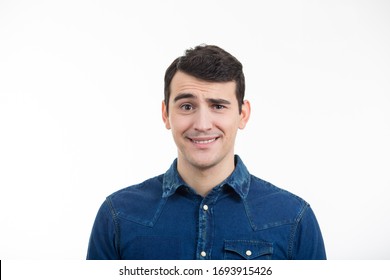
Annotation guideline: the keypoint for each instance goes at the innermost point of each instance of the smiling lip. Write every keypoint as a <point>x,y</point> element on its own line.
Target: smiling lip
<point>203,141</point>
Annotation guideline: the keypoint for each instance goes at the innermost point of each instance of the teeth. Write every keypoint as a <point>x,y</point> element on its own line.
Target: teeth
<point>204,141</point>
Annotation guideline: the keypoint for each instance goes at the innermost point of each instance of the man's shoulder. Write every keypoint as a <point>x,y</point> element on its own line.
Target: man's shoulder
<point>272,205</point>
<point>263,189</point>
<point>137,203</point>
<point>147,188</point>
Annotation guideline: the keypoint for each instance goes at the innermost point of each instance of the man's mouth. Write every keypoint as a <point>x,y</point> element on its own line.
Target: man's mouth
<point>204,141</point>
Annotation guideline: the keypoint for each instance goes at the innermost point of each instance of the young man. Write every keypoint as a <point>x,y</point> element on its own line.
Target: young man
<point>207,205</point>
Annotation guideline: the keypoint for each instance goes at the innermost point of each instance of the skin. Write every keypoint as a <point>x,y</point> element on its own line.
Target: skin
<point>204,119</point>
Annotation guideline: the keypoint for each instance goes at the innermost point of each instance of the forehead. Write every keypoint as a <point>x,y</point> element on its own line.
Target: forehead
<point>184,83</point>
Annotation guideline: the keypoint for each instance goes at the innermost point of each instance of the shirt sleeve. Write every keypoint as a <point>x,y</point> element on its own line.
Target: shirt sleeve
<point>308,243</point>
<point>104,236</point>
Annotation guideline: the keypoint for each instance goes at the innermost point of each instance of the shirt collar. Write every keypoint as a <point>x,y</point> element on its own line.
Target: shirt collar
<point>239,180</point>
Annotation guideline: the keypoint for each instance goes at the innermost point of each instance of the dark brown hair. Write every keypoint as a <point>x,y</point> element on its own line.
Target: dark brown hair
<point>209,63</point>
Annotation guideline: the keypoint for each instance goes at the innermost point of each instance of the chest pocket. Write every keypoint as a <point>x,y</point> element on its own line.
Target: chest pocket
<point>247,250</point>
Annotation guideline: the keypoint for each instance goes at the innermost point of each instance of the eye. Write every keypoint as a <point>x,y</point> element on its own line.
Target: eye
<point>219,107</point>
<point>187,107</point>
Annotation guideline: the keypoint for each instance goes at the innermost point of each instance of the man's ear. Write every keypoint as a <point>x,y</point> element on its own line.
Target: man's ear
<point>245,114</point>
<point>165,115</point>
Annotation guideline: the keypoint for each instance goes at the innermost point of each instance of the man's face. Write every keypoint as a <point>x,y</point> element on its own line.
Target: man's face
<point>204,118</point>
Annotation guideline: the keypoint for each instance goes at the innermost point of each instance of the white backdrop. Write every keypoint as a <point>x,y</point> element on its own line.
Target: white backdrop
<point>81,84</point>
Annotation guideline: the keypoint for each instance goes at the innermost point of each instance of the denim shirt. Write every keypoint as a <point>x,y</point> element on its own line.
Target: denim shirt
<point>244,217</point>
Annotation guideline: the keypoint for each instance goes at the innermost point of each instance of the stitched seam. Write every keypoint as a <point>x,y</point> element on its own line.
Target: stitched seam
<point>116,223</point>
<point>249,215</point>
<point>159,211</point>
<point>294,230</point>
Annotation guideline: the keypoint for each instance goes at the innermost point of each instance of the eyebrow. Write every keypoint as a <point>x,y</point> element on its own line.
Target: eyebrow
<point>218,101</point>
<point>184,96</point>
<point>209,100</point>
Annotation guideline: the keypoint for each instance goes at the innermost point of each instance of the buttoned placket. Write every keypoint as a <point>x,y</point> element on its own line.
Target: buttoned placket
<point>206,225</point>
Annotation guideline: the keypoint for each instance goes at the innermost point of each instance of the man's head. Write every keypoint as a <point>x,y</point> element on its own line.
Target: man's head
<point>209,63</point>
<point>204,91</point>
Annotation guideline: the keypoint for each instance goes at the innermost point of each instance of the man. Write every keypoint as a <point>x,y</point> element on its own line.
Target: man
<point>207,205</point>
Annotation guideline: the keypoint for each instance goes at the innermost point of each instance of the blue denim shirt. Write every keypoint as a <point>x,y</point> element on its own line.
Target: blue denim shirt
<point>242,218</point>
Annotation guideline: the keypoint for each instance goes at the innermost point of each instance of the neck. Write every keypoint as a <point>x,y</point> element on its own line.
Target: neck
<point>203,180</point>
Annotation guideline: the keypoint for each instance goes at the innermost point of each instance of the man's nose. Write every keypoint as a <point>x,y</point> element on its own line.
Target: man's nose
<point>203,120</point>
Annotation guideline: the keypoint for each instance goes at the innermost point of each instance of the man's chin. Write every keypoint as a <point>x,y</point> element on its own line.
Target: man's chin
<point>203,163</point>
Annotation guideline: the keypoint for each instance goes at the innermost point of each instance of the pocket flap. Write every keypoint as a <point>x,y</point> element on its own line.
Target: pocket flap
<point>249,249</point>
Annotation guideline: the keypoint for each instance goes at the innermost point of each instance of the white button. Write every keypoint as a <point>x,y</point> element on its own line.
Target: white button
<point>203,254</point>
<point>205,207</point>
<point>248,253</point>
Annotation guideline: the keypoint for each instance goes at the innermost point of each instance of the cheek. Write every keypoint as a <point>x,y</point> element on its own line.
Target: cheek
<point>228,126</point>
<point>177,129</point>
<point>179,125</point>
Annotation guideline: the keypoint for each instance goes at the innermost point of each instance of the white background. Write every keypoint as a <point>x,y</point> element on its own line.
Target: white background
<point>81,84</point>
